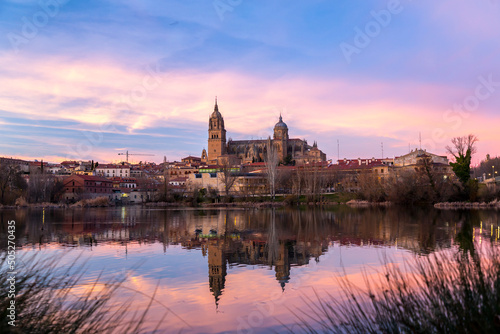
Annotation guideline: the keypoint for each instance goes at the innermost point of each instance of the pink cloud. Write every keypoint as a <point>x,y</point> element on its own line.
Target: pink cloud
<point>48,88</point>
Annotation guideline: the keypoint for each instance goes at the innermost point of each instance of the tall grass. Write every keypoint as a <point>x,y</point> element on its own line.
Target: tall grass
<point>447,292</point>
<point>47,301</point>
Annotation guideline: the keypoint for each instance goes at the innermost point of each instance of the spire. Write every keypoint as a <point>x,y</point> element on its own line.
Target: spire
<point>216,108</point>
<point>281,119</point>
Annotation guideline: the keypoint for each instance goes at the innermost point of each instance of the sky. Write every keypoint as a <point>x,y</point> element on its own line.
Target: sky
<point>90,79</point>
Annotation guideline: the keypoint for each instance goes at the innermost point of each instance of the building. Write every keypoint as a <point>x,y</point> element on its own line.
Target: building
<point>416,156</point>
<point>244,183</point>
<point>348,170</point>
<point>247,151</point>
<point>113,170</point>
<point>191,161</point>
<point>86,186</point>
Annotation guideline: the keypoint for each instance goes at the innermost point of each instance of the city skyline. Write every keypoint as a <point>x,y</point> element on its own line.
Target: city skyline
<point>90,81</point>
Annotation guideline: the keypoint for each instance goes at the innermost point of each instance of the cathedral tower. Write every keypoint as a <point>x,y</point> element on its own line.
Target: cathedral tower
<point>217,270</point>
<point>280,138</point>
<point>216,135</point>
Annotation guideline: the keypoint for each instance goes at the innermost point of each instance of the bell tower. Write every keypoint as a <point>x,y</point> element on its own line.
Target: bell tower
<point>280,138</point>
<point>216,135</point>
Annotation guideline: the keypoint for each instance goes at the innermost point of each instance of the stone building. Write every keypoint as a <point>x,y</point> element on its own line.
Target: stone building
<point>86,186</point>
<point>245,151</point>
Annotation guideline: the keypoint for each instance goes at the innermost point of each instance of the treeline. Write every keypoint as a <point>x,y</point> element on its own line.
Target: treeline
<point>424,184</point>
<point>487,167</point>
<point>410,187</point>
<point>41,187</point>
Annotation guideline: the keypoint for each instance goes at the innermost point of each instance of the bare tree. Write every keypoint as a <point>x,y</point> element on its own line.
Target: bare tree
<point>298,182</point>
<point>370,187</point>
<point>227,176</point>
<point>314,182</point>
<point>272,168</point>
<point>40,186</point>
<point>12,184</point>
<point>462,150</point>
<point>148,186</point>
<point>462,144</point>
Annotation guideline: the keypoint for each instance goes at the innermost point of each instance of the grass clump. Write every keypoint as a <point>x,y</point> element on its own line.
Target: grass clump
<point>446,292</point>
<point>49,300</point>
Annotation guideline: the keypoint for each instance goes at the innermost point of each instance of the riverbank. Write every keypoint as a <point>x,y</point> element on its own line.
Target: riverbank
<point>248,202</point>
<point>467,205</point>
<point>365,204</point>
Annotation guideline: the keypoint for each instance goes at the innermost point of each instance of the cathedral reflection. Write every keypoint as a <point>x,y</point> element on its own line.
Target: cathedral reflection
<point>275,239</point>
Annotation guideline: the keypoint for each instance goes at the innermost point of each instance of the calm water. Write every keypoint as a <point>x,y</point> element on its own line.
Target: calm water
<point>238,270</point>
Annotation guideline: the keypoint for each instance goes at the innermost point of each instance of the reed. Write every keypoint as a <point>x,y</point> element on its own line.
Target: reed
<point>46,301</point>
<point>451,291</point>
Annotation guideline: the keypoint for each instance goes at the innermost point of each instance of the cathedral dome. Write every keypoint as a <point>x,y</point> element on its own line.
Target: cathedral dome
<point>281,124</point>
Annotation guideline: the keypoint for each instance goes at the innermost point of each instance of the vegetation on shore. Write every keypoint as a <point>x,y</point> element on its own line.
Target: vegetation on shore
<point>446,292</point>
<point>46,301</point>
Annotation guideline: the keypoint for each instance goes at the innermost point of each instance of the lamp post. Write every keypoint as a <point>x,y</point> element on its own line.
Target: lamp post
<point>493,173</point>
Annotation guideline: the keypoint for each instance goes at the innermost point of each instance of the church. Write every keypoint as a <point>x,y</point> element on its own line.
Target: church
<point>289,150</point>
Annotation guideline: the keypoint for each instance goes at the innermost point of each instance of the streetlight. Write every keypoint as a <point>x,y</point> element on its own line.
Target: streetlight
<point>493,173</point>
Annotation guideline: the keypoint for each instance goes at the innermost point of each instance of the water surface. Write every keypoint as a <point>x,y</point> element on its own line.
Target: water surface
<point>239,270</point>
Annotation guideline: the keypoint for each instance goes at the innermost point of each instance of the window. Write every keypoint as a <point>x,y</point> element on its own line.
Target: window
<point>212,175</point>
<point>198,176</point>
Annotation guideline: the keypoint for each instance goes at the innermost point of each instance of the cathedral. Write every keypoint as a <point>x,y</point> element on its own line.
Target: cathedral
<point>290,150</point>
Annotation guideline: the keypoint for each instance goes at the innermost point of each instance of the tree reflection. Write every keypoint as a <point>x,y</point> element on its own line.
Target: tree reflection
<point>275,239</point>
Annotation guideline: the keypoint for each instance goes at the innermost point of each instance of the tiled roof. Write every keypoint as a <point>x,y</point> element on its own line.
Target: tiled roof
<point>91,178</point>
<point>110,166</point>
<point>354,164</point>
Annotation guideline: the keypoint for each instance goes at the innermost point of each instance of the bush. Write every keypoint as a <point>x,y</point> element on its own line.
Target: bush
<point>487,194</point>
<point>21,201</point>
<point>291,200</point>
<point>99,201</point>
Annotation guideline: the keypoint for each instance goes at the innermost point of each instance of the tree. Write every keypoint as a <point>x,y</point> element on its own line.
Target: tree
<point>489,167</point>
<point>314,182</point>
<point>288,161</point>
<point>462,150</point>
<point>40,186</point>
<point>227,177</point>
<point>272,161</point>
<point>298,182</point>
<point>370,187</point>
<point>12,184</point>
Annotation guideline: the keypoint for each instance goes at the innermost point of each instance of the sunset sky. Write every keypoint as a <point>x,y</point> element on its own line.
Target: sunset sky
<point>89,79</point>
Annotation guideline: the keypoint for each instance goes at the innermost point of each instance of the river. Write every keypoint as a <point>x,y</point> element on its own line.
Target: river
<point>237,270</point>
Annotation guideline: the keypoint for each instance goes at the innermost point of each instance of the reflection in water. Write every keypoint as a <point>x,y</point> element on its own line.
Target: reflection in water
<point>279,240</point>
